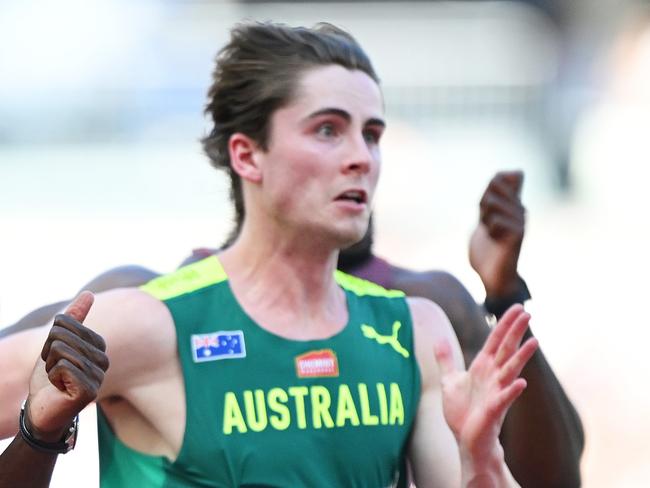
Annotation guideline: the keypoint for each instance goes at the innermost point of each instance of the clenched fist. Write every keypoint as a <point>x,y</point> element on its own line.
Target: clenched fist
<point>68,374</point>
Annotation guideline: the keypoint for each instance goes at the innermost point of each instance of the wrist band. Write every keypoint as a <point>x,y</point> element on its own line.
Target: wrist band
<point>498,306</point>
<point>66,444</point>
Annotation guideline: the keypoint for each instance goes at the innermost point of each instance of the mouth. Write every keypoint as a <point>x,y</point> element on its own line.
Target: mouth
<point>356,196</point>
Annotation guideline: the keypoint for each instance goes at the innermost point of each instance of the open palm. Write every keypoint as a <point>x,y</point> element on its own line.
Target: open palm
<point>475,401</point>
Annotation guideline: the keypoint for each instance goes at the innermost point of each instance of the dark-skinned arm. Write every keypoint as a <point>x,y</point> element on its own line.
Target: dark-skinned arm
<point>542,434</point>
<point>542,437</point>
<point>120,277</point>
<point>65,379</point>
<point>21,465</point>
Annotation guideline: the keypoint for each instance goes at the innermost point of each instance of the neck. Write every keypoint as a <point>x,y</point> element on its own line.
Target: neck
<point>281,281</point>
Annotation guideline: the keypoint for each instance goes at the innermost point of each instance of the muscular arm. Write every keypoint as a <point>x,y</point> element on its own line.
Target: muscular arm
<point>433,451</point>
<point>141,345</point>
<point>542,435</point>
<point>17,457</point>
<point>472,404</point>
<point>65,378</point>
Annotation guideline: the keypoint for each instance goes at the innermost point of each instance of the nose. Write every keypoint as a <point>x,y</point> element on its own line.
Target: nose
<point>359,157</point>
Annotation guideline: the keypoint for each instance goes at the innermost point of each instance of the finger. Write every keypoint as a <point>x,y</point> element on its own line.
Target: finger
<point>60,350</point>
<point>494,204</point>
<point>69,379</point>
<point>506,397</point>
<point>506,185</point>
<point>514,179</point>
<point>503,325</point>
<point>508,182</point>
<point>72,318</point>
<point>499,226</point>
<point>76,328</point>
<point>513,367</point>
<point>80,306</point>
<point>512,338</point>
<point>444,356</point>
<point>74,341</point>
<point>88,372</point>
<point>500,185</point>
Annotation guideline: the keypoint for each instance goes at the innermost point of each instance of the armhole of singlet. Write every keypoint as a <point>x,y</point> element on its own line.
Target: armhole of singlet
<point>121,464</point>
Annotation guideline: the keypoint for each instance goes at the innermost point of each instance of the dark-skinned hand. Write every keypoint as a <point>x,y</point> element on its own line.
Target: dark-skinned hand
<point>496,242</point>
<point>68,374</point>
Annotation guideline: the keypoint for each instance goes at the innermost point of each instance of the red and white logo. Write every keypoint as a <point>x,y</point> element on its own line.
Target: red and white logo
<point>317,364</point>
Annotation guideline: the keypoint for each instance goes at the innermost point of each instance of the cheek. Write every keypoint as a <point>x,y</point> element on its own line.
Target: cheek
<point>375,169</point>
<point>296,179</point>
<point>310,163</point>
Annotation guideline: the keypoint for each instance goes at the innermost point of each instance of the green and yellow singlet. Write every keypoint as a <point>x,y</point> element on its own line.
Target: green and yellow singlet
<point>265,411</point>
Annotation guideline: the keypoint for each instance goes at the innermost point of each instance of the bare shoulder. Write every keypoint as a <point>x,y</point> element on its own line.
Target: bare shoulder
<point>125,310</point>
<point>465,315</point>
<point>430,327</point>
<point>429,320</point>
<point>140,337</point>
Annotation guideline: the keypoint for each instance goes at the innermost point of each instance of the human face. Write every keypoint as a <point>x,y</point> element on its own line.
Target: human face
<point>321,166</point>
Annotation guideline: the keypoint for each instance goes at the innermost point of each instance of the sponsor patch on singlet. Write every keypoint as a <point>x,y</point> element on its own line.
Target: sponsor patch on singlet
<point>224,344</point>
<point>317,364</point>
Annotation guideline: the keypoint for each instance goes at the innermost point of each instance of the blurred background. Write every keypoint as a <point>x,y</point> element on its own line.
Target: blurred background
<point>101,112</point>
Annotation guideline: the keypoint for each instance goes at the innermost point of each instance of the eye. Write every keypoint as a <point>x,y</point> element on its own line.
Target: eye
<point>326,129</point>
<point>371,136</point>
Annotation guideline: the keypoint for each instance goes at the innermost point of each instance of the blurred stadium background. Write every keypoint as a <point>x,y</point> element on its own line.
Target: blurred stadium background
<point>100,165</point>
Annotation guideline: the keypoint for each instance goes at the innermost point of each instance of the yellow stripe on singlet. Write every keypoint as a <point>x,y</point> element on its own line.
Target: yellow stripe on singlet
<point>363,287</point>
<point>209,271</point>
<point>187,279</point>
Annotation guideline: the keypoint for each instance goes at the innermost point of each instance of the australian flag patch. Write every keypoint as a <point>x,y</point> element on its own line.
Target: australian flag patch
<point>225,344</point>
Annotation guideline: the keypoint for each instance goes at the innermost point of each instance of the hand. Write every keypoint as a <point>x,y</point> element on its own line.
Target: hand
<point>475,401</point>
<point>68,374</point>
<point>496,242</point>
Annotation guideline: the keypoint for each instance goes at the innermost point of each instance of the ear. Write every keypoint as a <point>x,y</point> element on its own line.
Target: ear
<point>244,157</point>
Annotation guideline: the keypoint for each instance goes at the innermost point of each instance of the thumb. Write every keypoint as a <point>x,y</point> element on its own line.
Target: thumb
<point>80,306</point>
<point>442,350</point>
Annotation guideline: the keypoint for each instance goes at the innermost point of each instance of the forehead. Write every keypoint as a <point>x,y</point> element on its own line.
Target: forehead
<point>336,86</point>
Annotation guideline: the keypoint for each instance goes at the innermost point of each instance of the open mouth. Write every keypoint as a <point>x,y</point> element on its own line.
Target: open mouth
<point>356,196</point>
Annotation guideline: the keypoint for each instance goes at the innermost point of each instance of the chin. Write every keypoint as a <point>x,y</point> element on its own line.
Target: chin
<point>350,236</point>
<point>340,233</point>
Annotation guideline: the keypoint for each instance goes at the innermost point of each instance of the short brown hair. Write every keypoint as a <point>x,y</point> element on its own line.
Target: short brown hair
<point>256,74</point>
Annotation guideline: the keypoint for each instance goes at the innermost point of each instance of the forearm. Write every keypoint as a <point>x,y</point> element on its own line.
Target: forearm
<point>485,471</point>
<point>121,277</point>
<point>21,465</point>
<point>33,319</point>
<point>542,434</point>
<point>497,303</point>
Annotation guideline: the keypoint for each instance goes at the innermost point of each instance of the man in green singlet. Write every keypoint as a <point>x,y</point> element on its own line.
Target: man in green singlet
<point>263,366</point>
<point>542,434</point>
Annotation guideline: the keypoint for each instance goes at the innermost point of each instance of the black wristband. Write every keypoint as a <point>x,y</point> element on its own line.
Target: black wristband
<point>66,444</point>
<point>498,306</point>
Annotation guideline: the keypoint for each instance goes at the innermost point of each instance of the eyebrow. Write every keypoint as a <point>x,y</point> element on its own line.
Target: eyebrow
<point>344,115</point>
